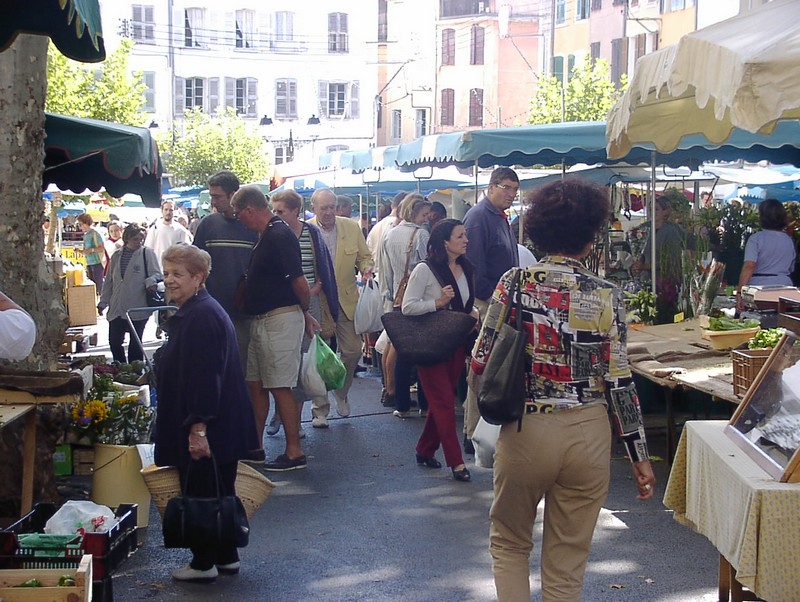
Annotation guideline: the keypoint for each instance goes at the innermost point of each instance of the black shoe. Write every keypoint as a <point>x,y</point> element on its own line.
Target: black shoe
<point>428,462</point>
<point>461,475</point>
<point>389,401</point>
<point>469,448</point>
<point>359,368</point>
<point>255,456</point>
<point>284,463</point>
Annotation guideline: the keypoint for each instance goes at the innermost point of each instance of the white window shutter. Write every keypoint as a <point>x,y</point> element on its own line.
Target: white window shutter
<point>230,92</point>
<point>323,98</point>
<point>229,30</point>
<point>354,101</point>
<point>213,95</point>
<point>264,34</point>
<point>252,97</point>
<point>180,95</point>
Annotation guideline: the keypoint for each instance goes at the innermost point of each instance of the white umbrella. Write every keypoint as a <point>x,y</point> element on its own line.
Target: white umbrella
<point>742,72</point>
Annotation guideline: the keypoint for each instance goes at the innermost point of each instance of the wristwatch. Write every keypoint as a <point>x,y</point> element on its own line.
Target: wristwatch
<point>199,433</point>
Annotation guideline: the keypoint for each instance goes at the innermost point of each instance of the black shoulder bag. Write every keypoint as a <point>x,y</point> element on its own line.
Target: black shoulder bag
<point>501,399</point>
<point>154,298</point>
<point>197,521</point>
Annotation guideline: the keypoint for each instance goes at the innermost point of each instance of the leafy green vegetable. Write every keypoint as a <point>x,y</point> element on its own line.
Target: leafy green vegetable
<point>725,323</point>
<point>766,339</point>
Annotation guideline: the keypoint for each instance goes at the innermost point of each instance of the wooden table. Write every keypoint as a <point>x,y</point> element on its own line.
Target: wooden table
<point>697,366</point>
<point>9,413</point>
<point>717,490</point>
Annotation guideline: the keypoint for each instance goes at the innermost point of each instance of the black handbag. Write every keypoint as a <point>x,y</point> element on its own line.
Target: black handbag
<point>191,522</point>
<point>501,399</point>
<point>428,338</point>
<point>154,298</point>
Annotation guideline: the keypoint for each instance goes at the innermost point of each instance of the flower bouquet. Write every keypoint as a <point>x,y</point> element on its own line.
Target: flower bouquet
<point>118,420</point>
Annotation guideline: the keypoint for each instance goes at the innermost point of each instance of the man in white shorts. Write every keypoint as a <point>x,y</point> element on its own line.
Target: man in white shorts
<point>277,296</point>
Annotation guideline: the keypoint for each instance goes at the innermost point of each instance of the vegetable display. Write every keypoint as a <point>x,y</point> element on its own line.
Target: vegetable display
<point>724,323</point>
<point>766,339</point>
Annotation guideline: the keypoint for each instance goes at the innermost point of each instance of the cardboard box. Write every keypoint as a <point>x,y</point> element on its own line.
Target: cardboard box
<point>82,305</point>
<point>62,460</point>
<point>82,460</point>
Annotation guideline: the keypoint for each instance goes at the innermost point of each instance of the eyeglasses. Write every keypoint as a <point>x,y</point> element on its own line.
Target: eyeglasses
<point>238,212</point>
<point>514,189</point>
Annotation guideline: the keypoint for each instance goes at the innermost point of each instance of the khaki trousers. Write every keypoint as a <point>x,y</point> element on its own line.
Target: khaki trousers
<point>565,458</point>
<point>349,347</point>
<point>471,413</point>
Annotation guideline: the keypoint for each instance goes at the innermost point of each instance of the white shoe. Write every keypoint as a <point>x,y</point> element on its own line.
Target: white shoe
<point>342,407</point>
<point>229,569</point>
<point>319,423</point>
<point>400,414</point>
<point>274,425</point>
<point>187,573</point>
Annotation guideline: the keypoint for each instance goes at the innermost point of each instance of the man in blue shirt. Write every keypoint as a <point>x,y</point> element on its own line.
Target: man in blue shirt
<point>492,250</point>
<point>230,245</point>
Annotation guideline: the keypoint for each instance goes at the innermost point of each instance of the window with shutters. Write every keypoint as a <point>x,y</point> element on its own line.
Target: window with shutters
<point>594,52</point>
<point>570,66</point>
<point>193,27</point>
<point>597,4</point>
<point>581,10</point>
<point>149,79</point>
<point>448,47</point>
<point>476,107</point>
<point>379,112</point>
<point>619,58</point>
<point>339,100</point>
<point>383,23</point>
<point>213,95</point>
<point>194,95</point>
<point>245,28</point>
<point>641,45</point>
<point>420,123</point>
<point>286,99</point>
<point>448,107</point>
<point>561,11</point>
<point>337,33</point>
<point>284,26</point>
<point>476,45</point>
<point>397,125</point>
<point>558,68</point>
<point>246,96</point>
<point>143,24</point>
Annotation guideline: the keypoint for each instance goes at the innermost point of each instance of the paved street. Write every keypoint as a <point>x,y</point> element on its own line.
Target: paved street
<point>363,522</point>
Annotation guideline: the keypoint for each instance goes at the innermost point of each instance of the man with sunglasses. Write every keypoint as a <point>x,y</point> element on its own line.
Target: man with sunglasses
<point>492,251</point>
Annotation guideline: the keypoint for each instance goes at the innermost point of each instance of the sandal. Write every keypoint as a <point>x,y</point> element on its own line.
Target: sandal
<point>428,461</point>
<point>461,475</point>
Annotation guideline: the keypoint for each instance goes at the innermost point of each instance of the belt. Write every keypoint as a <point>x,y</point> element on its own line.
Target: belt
<point>763,274</point>
<point>276,312</point>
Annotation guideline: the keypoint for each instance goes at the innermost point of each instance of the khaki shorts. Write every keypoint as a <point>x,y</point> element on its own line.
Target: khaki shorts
<point>273,356</point>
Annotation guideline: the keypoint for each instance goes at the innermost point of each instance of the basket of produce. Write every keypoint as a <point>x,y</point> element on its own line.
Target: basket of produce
<point>727,333</point>
<point>748,362</point>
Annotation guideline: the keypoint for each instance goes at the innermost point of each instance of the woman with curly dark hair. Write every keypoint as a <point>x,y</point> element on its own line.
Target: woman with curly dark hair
<point>576,366</point>
<point>444,281</point>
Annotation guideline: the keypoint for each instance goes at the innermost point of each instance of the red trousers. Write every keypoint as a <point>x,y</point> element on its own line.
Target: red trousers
<point>439,382</point>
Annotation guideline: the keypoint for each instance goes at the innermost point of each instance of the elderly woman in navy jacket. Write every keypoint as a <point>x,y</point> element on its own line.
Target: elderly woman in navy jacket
<point>204,406</point>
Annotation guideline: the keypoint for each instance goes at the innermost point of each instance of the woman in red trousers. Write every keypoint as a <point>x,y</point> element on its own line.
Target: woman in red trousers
<point>443,282</point>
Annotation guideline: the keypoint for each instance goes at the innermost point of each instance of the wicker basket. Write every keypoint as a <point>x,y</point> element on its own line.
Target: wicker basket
<point>746,365</point>
<point>252,487</point>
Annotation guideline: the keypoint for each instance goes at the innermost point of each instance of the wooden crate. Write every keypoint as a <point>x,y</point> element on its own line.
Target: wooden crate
<point>746,364</point>
<point>50,591</point>
<point>82,460</point>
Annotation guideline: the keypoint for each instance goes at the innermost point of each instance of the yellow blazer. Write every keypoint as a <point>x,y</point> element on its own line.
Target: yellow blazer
<point>352,254</point>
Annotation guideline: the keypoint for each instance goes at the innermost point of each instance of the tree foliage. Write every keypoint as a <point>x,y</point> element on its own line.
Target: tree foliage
<point>588,95</point>
<point>107,90</point>
<point>210,144</point>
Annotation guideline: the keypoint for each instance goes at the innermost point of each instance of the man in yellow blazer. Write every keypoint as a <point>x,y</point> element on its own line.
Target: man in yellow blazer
<point>350,254</point>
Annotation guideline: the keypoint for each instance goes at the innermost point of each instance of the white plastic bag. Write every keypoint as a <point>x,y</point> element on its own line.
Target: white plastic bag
<point>382,343</point>
<point>485,441</point>
<point>369,309</point>
<point>310,380</point>
<point>78,516</point>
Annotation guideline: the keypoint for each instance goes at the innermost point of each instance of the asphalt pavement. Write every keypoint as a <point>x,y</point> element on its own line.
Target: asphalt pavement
<point>364,522</point>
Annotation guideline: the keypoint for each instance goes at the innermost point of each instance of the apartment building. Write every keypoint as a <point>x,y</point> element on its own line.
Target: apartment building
<point>303,73</point>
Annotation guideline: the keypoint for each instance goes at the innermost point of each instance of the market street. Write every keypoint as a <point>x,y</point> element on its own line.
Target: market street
<point>363,522</point>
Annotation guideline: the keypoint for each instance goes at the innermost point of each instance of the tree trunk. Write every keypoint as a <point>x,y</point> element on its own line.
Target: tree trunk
<point>24,275</point>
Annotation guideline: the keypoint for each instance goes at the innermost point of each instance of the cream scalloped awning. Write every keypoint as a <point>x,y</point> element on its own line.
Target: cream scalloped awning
<point>743,72</point>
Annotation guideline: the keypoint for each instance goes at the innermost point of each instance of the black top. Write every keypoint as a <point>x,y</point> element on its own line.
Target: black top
<point>274,264</point>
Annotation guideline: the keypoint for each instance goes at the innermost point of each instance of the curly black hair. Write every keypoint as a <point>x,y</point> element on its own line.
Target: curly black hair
<point>565,216</point>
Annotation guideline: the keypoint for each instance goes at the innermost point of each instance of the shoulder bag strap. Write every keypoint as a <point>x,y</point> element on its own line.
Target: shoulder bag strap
<point>408,253</point>
<point>144,257</point>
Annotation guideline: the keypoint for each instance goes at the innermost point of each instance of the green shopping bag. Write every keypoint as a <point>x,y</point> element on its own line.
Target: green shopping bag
<point>329,366</point>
